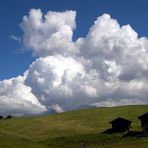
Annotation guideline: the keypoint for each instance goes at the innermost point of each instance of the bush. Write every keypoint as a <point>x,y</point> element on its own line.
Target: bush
<point>1,117</point>
<point>8,117</point>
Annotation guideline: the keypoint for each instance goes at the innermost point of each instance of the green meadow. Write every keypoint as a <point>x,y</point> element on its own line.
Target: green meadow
<point>74,129</point>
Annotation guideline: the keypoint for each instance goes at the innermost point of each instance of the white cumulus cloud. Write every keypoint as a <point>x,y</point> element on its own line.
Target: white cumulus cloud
<point>108,67</point>
<point>50,34</point>
<point>17,98</point>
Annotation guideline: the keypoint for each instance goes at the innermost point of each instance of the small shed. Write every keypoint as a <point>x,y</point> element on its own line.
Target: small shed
<point>121,124</point>
<point>144,123</point>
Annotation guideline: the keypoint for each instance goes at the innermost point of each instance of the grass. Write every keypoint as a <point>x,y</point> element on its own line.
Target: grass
<point>75,129</point>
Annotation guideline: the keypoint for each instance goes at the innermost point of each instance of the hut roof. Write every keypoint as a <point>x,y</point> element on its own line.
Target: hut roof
<point>143,116</point>
<point>119,119</point>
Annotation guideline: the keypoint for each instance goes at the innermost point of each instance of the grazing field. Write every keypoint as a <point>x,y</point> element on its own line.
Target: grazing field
<point>75,129</point>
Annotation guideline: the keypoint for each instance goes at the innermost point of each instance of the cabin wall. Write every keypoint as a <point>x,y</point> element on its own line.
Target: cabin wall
<point>145,129</point>
<point>120,127</point>
<point>144,122</point>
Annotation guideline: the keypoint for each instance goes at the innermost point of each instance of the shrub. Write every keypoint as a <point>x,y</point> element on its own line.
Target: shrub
<point>8,117</point>
<point>1,117</point>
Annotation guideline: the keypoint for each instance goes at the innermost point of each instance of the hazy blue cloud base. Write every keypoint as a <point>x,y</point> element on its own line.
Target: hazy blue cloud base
<point>108,67</point>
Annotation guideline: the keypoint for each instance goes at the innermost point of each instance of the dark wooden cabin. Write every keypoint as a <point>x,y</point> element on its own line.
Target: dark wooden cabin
<point>120,125</point>
<point>144,123</point>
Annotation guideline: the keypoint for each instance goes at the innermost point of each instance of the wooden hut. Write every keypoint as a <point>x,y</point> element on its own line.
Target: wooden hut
<point>144,123</point>
<point>120,125</point>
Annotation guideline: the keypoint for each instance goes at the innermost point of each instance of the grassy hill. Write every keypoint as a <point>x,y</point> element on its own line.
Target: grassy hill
<point>75,129</point>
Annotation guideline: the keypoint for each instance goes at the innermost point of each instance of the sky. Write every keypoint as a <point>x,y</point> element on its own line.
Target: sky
<point>49,49</point>
<point>14,62</point>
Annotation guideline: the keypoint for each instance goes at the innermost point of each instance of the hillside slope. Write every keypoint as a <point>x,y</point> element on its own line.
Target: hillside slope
<point>82,128</point>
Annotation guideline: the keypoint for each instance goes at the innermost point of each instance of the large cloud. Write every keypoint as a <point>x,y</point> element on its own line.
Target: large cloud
<point>17,98</point>
<point>108,67</point>
<point>50,34</point>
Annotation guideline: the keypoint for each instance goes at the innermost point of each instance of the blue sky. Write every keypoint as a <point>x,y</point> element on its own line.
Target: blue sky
<point>14,62</point>
<point>97,64</point>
